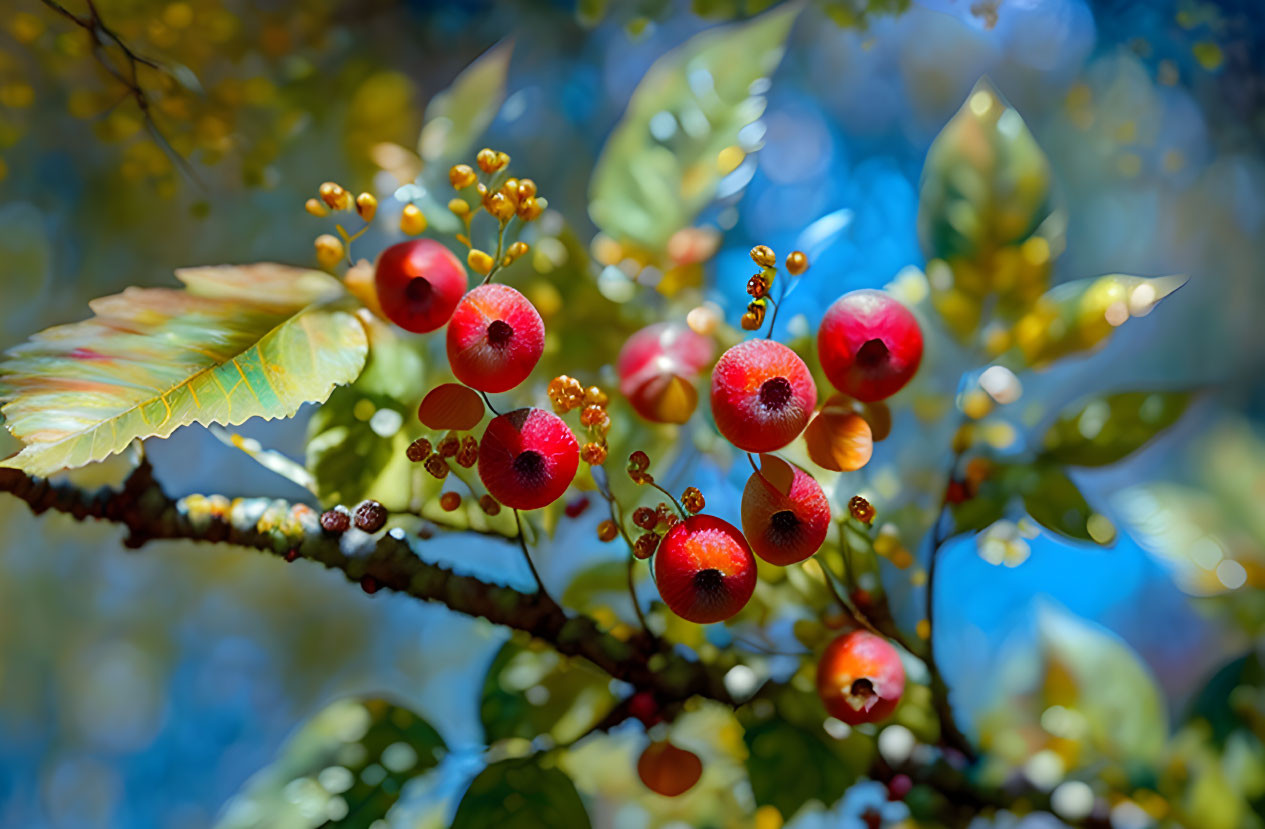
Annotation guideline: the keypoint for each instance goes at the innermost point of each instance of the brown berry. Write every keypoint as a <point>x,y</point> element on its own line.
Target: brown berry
<point>369,584</point>
<point>645,517</point>
<point>692,500</point>
<point>645,545</point>
<point>449,446</point>
<point>757,286</point>
<point>796,262</point>
<point>370,516</point>
<point>763,256</point>
<point>861,509</point>
<point>594,454</point>
<point>418,450</point>
<point>639,461</point>
<point>437,466</point>
<point>489,505</point>
<point>449,501</point>
<point>291,556</point>
<point>336,520</point>
<point>606,531</point>
<point>468,456</point>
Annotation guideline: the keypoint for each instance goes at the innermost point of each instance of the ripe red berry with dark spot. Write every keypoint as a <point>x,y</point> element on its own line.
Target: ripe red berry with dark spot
<point>370,516</point>
<point>860,678</point>
<point>528,458</point>
<point>784,522</point>
<point>495,338</point>
<point>419,283</point>
<point>668,770</point>
<point>762,395</point>
<point>704,569</point>
<point>336,520</point>
<point>870,344</point>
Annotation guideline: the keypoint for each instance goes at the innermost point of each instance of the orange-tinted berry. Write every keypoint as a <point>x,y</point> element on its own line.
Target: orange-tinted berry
<point>785,517</point>
<point>462,176</point>
<point>668,770</point>
<point>692,499</point>
<point>591,415</point>
<point>468,455</point>
<point>335,196</point>
<point>705,570</point>
<point>437,466</point>
<point>526,189</point>
<point>489,160</point>
<point>645,545</point>
<point>594,454</point>
<point>860,678</point>
<point>606,531</point>
<point>796,262</point>
<point>593,396</point>
<point>529,209</point>
<point>448,446</point>
<point>418,450</point>
<point>750,321</point>
<point>489,505</point>
<point>758,286</point>
<point>449,501</point>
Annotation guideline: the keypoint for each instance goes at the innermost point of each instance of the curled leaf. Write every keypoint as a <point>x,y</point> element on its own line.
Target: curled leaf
<point>839,438</point>
<point>451,406</point>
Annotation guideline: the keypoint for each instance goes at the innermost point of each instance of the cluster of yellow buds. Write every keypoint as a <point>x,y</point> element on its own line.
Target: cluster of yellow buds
<point>567,393</point>
<point>333,196</point>
<point>759,285</point>
<point>501,199</point>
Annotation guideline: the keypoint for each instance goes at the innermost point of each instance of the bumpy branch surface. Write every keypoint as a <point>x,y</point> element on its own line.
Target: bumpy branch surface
<point>289,529</point>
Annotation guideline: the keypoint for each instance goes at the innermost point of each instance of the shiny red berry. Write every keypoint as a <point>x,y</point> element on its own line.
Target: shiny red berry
<point>860,678</point>
<point>762,395</point>
<point>785,514</point>
<point>370,516</point>
<point>657,367</point>
<point>869,344</point>
<point>668,770</point>
<point>704,569</point>
<point>419,283</point>
<point>495,338</point>
<point>527,458</point>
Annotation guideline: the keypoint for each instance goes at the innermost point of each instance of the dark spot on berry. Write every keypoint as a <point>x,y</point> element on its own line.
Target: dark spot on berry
<point>709,581</point>
<point>529,466</point>
<point>499,333</point>
<point>418,290</point>
<point>776,393</point>
<point>784,521</point>
<point>863,688</point>
<point>872,354</point>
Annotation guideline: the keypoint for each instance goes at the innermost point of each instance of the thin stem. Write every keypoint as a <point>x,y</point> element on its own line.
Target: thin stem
<point>675,502</point>
<point>500,245</point>
<point>776,306</point>
<point>632,592</point>
<point>617,518</point>
<point>858,618</point>
<point>488,401</point>
<point>522,544</point>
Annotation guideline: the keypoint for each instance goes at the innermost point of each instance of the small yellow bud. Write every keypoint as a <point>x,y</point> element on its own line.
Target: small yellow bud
<point>459,207</point>
<point>479,261</point>
<point>366,206</point>
<point>329,250</point>
<point>489,160</point>
<point>526,188</point>
<point>517,249</point>
<point>316,208</point>
<point>529,209</point>
<point>499,207</point>
<point>763,256</point>
<point>796,262</point>
<point>510,190</point>
<point>335,196</point>
<point>750,321</point>
<point>502,159</point>
<point>412,219</point>
<point>462,176</point>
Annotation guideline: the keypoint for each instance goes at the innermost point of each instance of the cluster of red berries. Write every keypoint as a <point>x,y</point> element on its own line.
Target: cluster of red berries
<point>567,393</point>
<point>368,516</point>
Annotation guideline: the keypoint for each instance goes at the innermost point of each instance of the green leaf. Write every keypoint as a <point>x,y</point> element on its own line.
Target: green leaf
<point>985,183</point>
<point>1109,428</point>
<point>1055,502</point>
<point>1081,315</point>
<point>597,583</point>
<point>456,117</point>
<point>790,766</point>
<point>645,188</point>
<point>521,794</point>
<point>352,455</point>
<point>360,752</point>
<point>527,693</point>
<point>237,342</point>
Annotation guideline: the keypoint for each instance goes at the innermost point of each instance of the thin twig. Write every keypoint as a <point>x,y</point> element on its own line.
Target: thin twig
<point>522,544</point>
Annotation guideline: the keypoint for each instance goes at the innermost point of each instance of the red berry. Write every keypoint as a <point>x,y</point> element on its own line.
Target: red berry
<point>784,517</point>
<point>576,506</point>
<point>668,770</point>
<point>419,283</point>
<point>762,395</point>
<point>705,569</point>
<point>527,458</point>
<point>495,338</point>
<point>644,707</point>
<point>860,678</point>
<point>336,520</point>
<point>869,344</point>
<point>656,369</point>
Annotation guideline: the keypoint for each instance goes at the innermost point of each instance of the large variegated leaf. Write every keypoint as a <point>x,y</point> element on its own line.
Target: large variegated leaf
<point>680,135</point>
<point>235,343</point>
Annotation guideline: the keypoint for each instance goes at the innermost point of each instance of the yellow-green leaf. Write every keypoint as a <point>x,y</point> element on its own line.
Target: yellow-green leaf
<point>237,342</point>
<point>1110,427</point>
<point>1080,315</point>
<point>680,135</point>
<point>456,117</point>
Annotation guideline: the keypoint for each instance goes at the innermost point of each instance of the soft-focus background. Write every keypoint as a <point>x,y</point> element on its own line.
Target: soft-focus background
<point>142,689</point>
